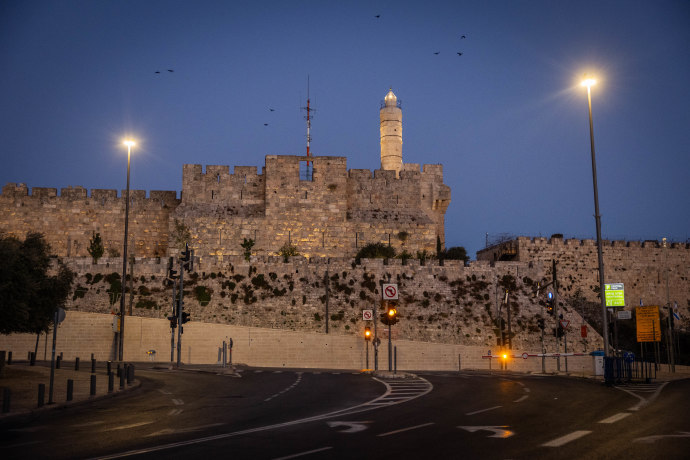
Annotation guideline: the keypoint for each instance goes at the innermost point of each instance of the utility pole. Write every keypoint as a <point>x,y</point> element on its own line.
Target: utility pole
<point>510,340</point>
<point>555,313</point>
<point>326,282</point>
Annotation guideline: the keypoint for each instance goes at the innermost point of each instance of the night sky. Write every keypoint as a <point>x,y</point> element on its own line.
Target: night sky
<point>507,119</point>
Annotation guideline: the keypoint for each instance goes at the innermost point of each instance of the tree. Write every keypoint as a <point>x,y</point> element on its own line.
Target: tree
<point>247,245</point>
<point>28,295</point>
<point>181,234</point>
<point>375,251</point>
<point>287,250</point>
<point>96,248</point>
<point>456,253</point>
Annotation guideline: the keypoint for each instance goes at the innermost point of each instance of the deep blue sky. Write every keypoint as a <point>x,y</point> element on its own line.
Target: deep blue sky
<point>507,119</point>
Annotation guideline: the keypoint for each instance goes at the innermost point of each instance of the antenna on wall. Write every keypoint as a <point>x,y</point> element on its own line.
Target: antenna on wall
<point>308,117</point>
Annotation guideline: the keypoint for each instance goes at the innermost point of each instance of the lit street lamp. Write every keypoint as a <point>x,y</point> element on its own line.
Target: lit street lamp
<point>129,144</point>
<point>589,82</point>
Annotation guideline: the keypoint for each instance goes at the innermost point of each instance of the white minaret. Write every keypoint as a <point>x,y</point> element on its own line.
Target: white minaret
<point>391,134</point>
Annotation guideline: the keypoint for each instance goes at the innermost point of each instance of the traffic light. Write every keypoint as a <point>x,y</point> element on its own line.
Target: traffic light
<point>185,317</point>
<point>540,323</point>
<point>367,333</point>
<point>549,303</point>
<point>173,321</point>
<point>390,314</point>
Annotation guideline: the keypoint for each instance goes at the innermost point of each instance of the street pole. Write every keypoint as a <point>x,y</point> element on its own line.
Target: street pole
<point>326,282</point>
<point>555,312</point>
<point>390,347</point>
<point>52,359</point>
<point>172,329</point>
<point>597,218</point>
<point>672,363</point>
<point>376,340</point>
<point>129,145</point>
<point>180,305</point>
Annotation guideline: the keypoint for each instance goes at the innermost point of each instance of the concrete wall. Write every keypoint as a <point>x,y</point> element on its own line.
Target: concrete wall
<point>84,333</point>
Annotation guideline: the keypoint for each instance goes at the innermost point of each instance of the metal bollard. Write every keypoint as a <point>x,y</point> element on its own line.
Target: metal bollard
<point>9,357</point>
<point>225,353</point>
<point>57,362</point>
<point>76,363</point>
<point>395,360</point>
<point>92,389</point>
<point>6,393</point>
<point>122,380</point>
<point>130,374</point>
<point>70,389</point>
<point>110,363</point>
<point>41,394</point>
<point>93,365</point>
<point>119,371</point>
<point>32,358</point>
<point>111,381</point>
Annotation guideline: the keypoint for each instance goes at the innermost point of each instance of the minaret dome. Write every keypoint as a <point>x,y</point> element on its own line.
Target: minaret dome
<point>391,133</point>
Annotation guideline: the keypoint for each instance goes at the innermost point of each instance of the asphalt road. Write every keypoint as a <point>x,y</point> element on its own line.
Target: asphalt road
<point>268,414</point>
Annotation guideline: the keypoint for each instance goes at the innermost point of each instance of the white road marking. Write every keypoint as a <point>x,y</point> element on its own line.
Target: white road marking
<point>483,410</point>
<point>615,418</point>
<point>178,402</point>
<point>498,431</point>
<point>405,429</point>
<point>522,398</point>
<point>368,406</point>
<point>643,401</point>
<point>301,454</point>
<point>175,412</point>
<point>526,390</point>
<point>566,439</point>
<point>299,379</point>
<point>82,425</point>
<point>126,427</point>
<point>183,430</point>
<point>353,427</point>
<point>651,439</point>
<point>165,392</point>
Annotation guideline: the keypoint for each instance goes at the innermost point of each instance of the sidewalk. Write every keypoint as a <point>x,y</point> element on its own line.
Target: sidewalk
<point>23,380</point>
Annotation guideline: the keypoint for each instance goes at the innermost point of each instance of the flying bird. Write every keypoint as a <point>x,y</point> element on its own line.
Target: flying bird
<point>272,110</point>
<point>157,71</point>
<point>436,53</point>
<point>265,124</point>
<point>463,36</point>
<point>459,53</point>
<point>170,70</point>
<point>377,16</point>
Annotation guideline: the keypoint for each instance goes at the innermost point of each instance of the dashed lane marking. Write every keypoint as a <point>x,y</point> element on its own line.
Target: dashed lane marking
<point>178,402</point>
<point>301,454</point>
<point>127,427</point>
<point>175,412</point>
<point>183,430</point>
<point>295,383</point>
<point>615,418</point>
<point>521,398</point>
<point>483,410</point>
<point>566,439</point>
<point>405,429</point>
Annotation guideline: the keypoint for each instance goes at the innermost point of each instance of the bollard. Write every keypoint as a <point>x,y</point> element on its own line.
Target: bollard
<point>92,389</point>
<point>220,353</point>
<point>9,357</point>
<point>111,381</point>
<point>225,353</point>
<point>130,374</point>
<point>93,365</point>
<point>61,357</point>
<point>41,394</point>
<point>119,372</point>
<point>70,389</point>
<point>395,359</point>
<point>76,363</point>
<point>6,400</point>
<point>110,363</point>
<point>122,380</point>
<point>32,358</point>
<point>57,362</point>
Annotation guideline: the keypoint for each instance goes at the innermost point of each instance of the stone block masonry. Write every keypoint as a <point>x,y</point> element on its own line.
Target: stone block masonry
<point>330,212</point>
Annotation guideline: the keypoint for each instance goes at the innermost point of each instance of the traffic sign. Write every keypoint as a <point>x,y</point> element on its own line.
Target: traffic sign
<point>648,326</point>
<point>565,323</point>
<point>624,314</point>
<point>614,295</point>
<point>390,292</point>
<point>367,315</point>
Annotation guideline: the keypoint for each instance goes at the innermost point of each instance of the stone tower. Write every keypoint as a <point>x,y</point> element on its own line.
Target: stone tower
<point>391,134</point>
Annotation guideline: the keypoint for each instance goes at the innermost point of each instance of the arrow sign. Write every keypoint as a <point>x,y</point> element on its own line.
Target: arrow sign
<point>390,291</point>
<point>352,427</point>
<point>498,431</point>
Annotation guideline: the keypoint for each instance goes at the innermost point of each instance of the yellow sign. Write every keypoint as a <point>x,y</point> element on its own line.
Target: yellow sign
<point>648,325</point>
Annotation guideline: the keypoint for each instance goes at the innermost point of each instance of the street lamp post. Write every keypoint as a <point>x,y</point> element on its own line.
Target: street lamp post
<point>129,144</point>
<point>588,82</point>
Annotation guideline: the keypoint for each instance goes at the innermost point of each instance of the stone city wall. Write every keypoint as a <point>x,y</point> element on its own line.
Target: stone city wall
<point>642,266</point>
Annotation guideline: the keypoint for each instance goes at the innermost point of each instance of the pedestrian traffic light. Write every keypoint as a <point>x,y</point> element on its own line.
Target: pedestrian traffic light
<point>367,333</point>
<point>185,317</point>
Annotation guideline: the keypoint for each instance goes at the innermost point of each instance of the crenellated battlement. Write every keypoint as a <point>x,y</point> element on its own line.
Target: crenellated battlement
<point>79,193</point>
<point>526,241</point>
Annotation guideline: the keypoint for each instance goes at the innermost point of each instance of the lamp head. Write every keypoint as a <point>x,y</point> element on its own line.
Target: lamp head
<point>588,82</point>
<point>129,143</point>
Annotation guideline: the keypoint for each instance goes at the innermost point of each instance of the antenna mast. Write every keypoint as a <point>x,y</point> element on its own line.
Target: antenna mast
<point>308,118</point>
